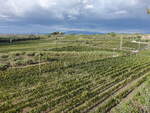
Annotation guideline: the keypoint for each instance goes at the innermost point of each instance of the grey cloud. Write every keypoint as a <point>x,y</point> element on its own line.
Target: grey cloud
<point>70,13</point>
<point>62,9</point>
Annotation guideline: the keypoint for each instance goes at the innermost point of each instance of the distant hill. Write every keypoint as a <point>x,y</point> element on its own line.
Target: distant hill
<point>82,32</point>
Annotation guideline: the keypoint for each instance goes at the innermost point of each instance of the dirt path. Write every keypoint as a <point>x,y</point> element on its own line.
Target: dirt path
<point>30,65</point>
<point>140,42</point>
<point>133,92</point>
<point>129,96</point>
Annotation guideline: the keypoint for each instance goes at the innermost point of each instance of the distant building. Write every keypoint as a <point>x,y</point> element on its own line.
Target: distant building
<point>146,37</point>
<point>135,51</point>
<point>57,33</point>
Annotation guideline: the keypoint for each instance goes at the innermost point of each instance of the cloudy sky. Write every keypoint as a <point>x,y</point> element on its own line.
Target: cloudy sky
<point>33,16</point>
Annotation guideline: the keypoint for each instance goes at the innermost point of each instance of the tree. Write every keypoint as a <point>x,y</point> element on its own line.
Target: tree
<point>56,34</point>
<point>148,11</point>
<point>113,34</point>
<point>32,36</point>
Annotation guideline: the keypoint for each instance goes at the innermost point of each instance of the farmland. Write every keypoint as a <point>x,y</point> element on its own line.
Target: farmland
<point>72,73</point>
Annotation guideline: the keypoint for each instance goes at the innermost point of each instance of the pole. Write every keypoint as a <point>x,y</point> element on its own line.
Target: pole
<point>121,42</point>
<point>139,45</point>
<point>39,60</point>
<point>39,63</point>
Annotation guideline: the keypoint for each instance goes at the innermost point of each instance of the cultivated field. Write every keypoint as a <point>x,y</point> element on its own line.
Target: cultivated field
<point>74,74</point>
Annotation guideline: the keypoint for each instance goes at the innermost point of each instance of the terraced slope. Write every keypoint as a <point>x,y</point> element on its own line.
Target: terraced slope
<point>93,86</point>
<point>138,101</point>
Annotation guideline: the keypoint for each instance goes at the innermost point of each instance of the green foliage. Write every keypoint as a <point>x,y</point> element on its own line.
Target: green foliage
<point>148,11</point>
<point>113,34</point>
<point>81,83</point>
<point>139,101</point>
<point>3,66</point>
<point>4,56</point>
<point>56,34</point>
<point>77,74</point>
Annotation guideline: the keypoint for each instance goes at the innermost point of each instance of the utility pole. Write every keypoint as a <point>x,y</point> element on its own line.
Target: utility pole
<point>139,45</point>
<point>121,42</point>
<point>10,40</point>
<point>39,62</point>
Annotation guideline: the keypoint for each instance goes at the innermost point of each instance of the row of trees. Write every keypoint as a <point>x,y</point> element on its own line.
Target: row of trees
<point>56,34</point>
<point>11,39</point>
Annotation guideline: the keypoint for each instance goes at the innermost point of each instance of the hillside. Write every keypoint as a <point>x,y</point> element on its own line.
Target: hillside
<point>74,74</point>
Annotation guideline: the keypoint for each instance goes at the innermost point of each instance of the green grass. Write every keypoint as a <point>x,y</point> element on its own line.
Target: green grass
<point>61,83</point>
<point>100,41</point>
<point>73,74</point>
<point>139,102</point>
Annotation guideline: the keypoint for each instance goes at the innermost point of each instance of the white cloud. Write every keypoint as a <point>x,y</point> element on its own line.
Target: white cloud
<point>3,16</point>
<point>89,6</point>
<point>122,12</point>
<point>46,4</point>
<point>72,9</point>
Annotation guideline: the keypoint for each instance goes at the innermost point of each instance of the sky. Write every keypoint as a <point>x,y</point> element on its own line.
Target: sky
<point>44,16</point>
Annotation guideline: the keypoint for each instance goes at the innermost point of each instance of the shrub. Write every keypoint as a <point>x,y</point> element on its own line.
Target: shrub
<point>31,61</point>
<point>19,62</point>
<point>5,56</point>
<point>17,54</point>
<point>31,54</point>
<point>4,66</point>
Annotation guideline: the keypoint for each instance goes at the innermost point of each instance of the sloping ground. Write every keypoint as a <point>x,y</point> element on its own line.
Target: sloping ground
<point>77,88</point>
<point>136,102</point>
<point>24,59</point>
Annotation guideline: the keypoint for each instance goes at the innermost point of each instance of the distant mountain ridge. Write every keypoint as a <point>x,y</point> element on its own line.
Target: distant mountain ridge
<point>82,32</point>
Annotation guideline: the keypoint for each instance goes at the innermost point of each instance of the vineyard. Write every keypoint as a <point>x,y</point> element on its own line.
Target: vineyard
<point>138,102</point>
<point>71,74</point>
